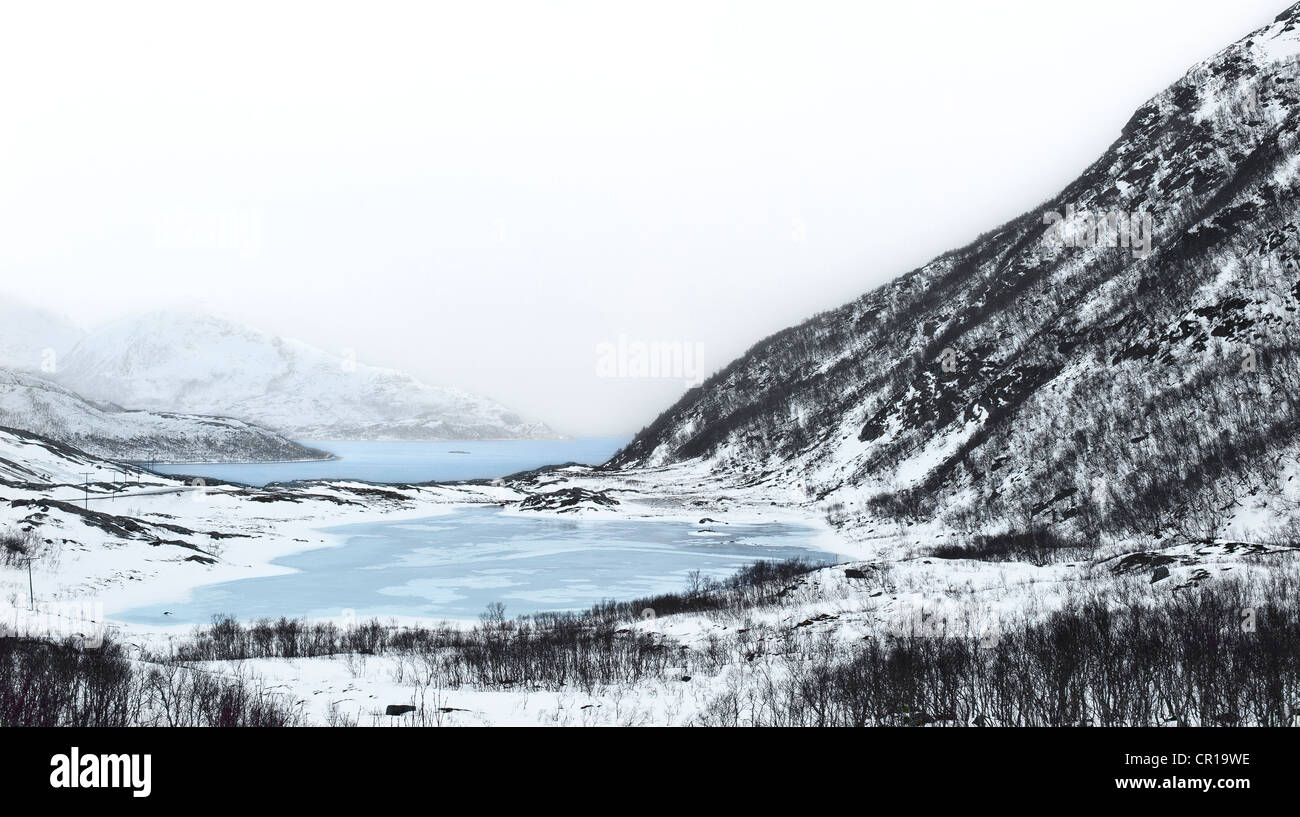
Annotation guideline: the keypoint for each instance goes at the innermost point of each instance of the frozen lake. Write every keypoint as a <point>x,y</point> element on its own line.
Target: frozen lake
<point>387,461</point>
<point>453,566</point>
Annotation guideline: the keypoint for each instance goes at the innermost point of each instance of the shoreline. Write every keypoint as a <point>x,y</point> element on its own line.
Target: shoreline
<point>821,538</point>
<point>652,502</point>
<point>180,538</point>
<point>146,466</point>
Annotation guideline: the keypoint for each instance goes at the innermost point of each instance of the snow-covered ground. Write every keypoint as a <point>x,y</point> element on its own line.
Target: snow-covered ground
<point>149,538</point>
<point>127,538</point>
<point>828,611</point>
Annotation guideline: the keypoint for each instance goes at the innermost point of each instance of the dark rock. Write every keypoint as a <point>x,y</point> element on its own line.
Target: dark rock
<point>1161,572</point>
<point>567,500</point>
<point>1195,579</point>
<point>854,573</point>
<point>398,709</point>
<point>1141,561</point>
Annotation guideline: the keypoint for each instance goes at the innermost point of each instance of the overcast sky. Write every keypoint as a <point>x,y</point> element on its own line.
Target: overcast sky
<point>482,193</point>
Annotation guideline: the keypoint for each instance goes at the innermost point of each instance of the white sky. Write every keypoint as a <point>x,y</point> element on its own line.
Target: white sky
<point>483,192</point>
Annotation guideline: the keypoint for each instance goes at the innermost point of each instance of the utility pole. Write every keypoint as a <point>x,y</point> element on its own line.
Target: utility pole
<point>86,486</point>
<point>31,592</point>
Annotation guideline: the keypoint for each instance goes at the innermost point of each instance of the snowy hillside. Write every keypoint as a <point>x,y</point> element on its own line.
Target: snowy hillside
<point>202,364</point>
<point>38,406</point>
<point>27,458</point>
<point>1060,377</point>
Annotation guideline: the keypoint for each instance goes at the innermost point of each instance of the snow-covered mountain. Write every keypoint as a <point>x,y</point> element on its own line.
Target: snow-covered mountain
<point>36,343</point>
<point>1039,381</point>
<point>33,339</point>
<point>38,406</point>
<point>168,361</point>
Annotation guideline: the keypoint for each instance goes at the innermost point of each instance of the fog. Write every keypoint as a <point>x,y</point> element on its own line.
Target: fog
<point>496,195</point>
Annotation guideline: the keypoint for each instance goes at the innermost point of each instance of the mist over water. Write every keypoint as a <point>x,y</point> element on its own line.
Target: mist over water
<point>403,461</point>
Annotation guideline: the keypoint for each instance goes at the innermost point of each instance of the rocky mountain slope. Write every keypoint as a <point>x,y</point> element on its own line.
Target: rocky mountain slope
<point>1060,376</point>
<point>198,363</point>
<point>38,406</point>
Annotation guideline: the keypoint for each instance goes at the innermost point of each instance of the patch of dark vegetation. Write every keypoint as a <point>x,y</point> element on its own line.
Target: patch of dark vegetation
<point>757,585</point>
<point>18,547</point>
<point>46,683</point>
<point>1038,546</point>
<point>1188,661</point>
<point>548,652</point>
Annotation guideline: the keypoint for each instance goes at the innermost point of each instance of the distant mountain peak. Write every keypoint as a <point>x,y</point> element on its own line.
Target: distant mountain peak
<point>203,363</point>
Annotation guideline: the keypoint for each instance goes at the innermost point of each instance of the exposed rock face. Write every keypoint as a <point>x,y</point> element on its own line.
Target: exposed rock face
<point>568,500</point>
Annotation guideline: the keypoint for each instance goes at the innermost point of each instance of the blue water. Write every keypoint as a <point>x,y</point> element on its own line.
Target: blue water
<point>385,461</point>
<point>453,566</point>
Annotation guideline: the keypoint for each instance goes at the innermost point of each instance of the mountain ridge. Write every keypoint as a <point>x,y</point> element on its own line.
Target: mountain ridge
<point>923,397</point>
<point>45,409</point>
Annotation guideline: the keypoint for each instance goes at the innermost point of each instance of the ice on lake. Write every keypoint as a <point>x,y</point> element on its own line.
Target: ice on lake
<point>453,566</point>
